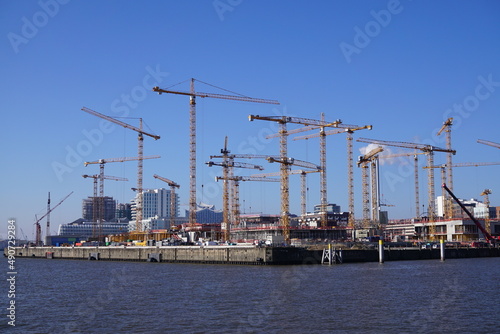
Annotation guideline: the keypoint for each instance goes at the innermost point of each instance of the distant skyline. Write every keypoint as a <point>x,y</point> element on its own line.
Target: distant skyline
<point>403,67</point>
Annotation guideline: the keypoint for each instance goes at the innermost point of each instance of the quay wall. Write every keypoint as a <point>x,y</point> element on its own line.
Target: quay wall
<point>239,254</point>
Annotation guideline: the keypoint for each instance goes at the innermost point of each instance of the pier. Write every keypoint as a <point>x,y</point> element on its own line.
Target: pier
<point>244,255</point>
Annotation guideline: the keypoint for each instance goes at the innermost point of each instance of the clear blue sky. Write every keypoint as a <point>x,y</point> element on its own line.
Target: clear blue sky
<point>403,67</point>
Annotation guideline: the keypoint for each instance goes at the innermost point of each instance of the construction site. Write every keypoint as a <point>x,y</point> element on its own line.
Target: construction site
<point>442,218</point>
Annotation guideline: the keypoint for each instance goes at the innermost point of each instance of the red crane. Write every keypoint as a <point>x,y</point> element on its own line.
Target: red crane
<point>487,236</point>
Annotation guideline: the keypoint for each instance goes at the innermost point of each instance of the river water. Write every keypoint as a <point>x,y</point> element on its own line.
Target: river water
<point>74,296</point>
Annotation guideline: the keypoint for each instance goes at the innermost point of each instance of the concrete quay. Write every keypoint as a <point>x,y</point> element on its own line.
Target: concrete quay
<point>247,255</point>
<point>173,254</point>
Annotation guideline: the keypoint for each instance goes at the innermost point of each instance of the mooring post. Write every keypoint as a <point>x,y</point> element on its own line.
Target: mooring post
<point>330,254</point>
<point>441,243</point>
<point>381,251</point>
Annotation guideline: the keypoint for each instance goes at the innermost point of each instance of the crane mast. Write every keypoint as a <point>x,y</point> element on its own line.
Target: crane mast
<point>449,170</point>
<point>192,155</point>
<point>192,133</point>
<point>48,215</point>
<point>364,161</point>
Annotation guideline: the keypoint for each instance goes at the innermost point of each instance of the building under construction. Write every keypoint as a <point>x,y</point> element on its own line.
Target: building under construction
<point>307,228</point>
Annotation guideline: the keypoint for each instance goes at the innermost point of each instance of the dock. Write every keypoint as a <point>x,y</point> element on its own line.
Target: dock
<point>242,255</point>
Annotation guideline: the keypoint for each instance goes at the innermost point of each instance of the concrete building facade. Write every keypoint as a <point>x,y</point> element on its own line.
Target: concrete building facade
<point>109,209</point>
<point>156,203</point>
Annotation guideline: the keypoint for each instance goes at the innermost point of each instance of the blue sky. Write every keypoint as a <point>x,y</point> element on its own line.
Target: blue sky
<point>402,66</point>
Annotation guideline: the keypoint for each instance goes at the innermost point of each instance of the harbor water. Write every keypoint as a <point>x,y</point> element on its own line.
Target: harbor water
<point>428,296</point>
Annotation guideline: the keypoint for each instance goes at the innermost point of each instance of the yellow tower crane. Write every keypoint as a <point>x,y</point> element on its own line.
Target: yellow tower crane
<point>192,132</point>
<point>102,162</point>
<point>415,173</point>
<point>228,164</point>
<point>363,161</point>
<point>429,150</point>
<point>95,202</point>
<point>286,162</point>
<point>322,148</point>
<point>486,193</point>
<point>173,207</point>
<point>140,153</point>
<point>448,169</point>
<point>446,127</point>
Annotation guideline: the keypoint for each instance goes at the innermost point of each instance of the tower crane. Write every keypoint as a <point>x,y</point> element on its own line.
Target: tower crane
<point>448,167</point>
<point>349,130</point>
<point>486,193</point>
<point>446,127</point>
<point>102,162</point>
<point>172,185</point>
<point>447,204</point>
<point>192,133</point>
<point>322,147</point>
<point>363,161</point>
<point>322,155</point>
<point>303,184</point>
<point>415,155</point>
<point>489,143</point>
<point>226,165</point>
<point>429,151</point>
<point>38,229</point>
<point>285,165</point>
<point>272,158</point>
<point>95,210</point>
<point>140,150</point>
